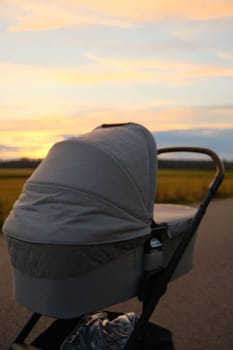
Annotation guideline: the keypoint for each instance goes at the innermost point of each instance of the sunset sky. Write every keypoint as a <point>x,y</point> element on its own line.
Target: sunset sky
<point>67,66</point>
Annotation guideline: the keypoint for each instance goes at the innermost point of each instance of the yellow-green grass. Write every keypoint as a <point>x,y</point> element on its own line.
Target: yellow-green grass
<point>15,173</point>
<point>189,186</point>
<point>173,186</point>
<point>11,183</point>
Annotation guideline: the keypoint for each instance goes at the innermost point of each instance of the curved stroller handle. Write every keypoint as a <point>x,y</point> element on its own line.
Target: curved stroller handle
<point>157,282</point>
<point>206,151</point>
<point>213,187</point>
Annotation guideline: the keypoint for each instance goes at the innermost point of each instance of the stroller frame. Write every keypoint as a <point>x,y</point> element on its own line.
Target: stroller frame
<point>153,285</point>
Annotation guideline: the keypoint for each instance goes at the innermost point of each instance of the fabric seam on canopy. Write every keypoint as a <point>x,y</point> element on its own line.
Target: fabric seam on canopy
<point>88,194</point>
<point>117,161</point>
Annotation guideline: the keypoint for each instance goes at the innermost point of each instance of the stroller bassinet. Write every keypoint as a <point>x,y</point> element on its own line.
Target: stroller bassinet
<point>78,232</point>
<point>82,219</point>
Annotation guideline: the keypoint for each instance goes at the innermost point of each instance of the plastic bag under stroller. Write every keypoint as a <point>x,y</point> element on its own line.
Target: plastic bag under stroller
<point>104,330</point>
<point>98,332</point>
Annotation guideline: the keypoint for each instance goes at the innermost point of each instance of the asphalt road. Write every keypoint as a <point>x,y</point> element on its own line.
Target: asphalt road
<point>197,308</point>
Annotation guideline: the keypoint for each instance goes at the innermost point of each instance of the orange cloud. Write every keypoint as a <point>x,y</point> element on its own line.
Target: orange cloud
<point>31,15</point>
<point>34,137</point>
<point>110,71</point>
<point>147,10</point>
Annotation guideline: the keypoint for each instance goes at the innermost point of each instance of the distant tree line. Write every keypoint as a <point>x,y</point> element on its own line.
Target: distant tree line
<point>191,164</point>
<point>21,163</point>
<point>162,163</point>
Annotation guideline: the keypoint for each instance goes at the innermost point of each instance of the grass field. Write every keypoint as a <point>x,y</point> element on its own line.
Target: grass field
<point>190,186</point>
<point>173,186</point>
<point>11,183</point>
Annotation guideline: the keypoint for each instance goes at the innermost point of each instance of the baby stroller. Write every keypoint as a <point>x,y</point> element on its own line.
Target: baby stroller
<point>86,223</point>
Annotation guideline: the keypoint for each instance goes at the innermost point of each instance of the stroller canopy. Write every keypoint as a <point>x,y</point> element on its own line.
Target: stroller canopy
<point>93,189</point>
